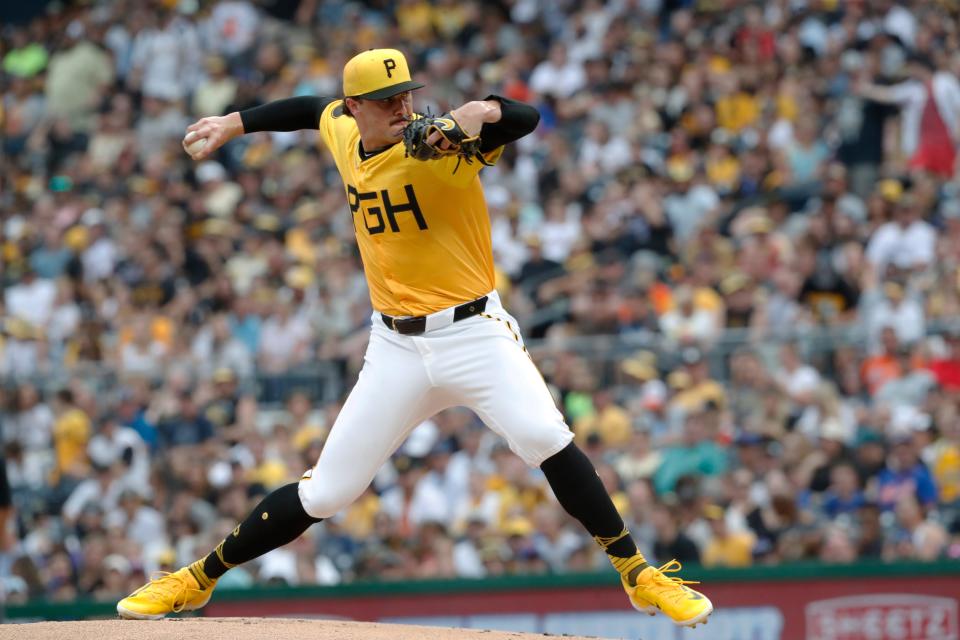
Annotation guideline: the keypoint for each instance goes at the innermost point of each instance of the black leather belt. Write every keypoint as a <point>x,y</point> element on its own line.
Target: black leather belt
<point>418,324</point>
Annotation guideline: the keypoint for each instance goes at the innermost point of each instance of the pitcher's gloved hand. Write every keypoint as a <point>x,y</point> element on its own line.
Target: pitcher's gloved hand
<point>433,137</point>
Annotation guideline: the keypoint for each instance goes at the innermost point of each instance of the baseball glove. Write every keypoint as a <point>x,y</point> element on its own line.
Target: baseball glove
<point>417,134</point>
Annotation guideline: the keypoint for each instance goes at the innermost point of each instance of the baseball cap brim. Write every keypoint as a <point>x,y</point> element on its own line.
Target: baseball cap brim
<point>392,90</point>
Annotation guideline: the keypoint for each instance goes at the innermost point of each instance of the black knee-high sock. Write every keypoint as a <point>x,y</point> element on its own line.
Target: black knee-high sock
<point>277,520</point>
<point>578,488</point>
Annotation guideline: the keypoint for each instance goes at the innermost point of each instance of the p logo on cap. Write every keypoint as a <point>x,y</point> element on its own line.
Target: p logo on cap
<point>377,74</point>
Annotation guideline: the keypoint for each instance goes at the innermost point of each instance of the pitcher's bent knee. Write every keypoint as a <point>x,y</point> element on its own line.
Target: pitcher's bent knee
<point>323,499</point>
<point>536,445</point>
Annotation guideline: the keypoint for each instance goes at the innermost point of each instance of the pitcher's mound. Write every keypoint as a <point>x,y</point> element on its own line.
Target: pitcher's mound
<point>248,629</point>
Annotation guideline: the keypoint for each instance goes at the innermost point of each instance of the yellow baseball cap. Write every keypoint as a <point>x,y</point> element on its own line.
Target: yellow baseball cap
<point>890,189</point>
<point>377,74</point>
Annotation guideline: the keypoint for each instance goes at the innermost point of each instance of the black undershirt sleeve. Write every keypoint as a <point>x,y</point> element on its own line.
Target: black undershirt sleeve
<point>293,114</point>
<point>289,114</point>
<point>516,120</point>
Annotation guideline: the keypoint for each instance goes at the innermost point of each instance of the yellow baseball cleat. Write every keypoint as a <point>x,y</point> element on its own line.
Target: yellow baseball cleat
<point>669,594</point>
<point>167,593</point>
<point>636,600</point>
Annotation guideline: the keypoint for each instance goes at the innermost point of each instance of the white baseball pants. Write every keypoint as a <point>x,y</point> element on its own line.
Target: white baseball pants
<point>479,362</point>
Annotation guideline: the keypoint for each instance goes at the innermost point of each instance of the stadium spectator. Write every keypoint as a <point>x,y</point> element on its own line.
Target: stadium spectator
<point>726,548</point>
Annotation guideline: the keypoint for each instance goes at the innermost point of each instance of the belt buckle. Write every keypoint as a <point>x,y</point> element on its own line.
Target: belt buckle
<point>393,324</point>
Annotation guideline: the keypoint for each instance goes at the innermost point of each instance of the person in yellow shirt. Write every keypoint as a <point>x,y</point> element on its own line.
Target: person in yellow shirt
<point>702,389</point>
<point>439,336</point>
<point>608,420</point>
<point>71,433</point>
<point>737,109</point>
<point>722,168</point>
<point>415,20</point>
<point>726,548</point>
<point>946,460</point>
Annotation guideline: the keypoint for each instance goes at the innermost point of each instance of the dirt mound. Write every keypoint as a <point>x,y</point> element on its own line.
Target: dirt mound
<point>247,629</point>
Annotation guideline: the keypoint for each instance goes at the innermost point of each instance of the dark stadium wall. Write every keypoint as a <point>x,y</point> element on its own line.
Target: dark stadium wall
<point>13,12</point>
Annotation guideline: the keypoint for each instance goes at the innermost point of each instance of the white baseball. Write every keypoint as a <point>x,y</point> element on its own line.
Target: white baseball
<point>194,146</point>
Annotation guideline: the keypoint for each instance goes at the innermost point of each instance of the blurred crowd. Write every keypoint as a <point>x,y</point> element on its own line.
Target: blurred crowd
<point>757,202</point>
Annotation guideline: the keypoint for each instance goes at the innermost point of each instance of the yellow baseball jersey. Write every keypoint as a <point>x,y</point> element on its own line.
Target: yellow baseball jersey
<point>423,229</point>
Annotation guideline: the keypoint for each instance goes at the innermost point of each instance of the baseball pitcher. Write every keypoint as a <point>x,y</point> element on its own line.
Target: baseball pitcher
<point>439,337</point>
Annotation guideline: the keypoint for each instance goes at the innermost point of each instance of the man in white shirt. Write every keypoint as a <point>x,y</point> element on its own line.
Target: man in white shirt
<point>215,347</point>
<point>907,242</point>
<point>284,339</point>
<point>103,489</point>
<point>115,443</point>
<point>690,203</point>
<point>31,299</point>
<point>20,354</point>
<point>686,322</point>
<point>892,306</point>
<point>233,27</point>
<point>100,256</point>
<point>430,500</point>
<point>558,75</point>
<point>798,379</point>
